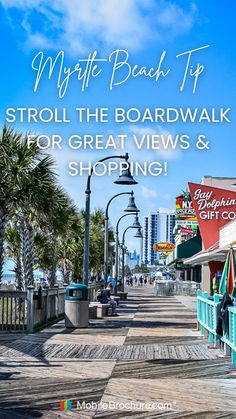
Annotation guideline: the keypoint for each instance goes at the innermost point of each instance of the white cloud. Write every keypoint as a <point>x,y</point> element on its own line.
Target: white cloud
<point>175,17</point>
<point>167,197</point>
<point>148,193</point>
<point>166,143</point>
<point>81,25</point>
<point>166,210</point>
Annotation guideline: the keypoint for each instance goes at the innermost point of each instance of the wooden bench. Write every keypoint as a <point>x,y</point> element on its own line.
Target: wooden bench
<point>92,311</point>
<point>116,298</point>
<point>102,309</point>
<point>122,295</point>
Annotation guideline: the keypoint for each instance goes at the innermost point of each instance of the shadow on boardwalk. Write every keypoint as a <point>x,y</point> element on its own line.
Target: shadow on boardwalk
<point>151,353</point>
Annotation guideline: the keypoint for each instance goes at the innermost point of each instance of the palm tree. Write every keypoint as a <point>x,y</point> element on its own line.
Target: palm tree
<point>13,252</point>
<point>97,240</point>
<point>70,248</point>
<point>59,238</point>
<point>59,218</point>
<point>8,142</point>
<point>26,178</point>
<point>35,189</point>
<point>44,226</point>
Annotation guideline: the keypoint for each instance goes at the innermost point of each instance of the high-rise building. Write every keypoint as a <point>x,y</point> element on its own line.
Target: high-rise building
<point>158,227</point>
<point>170,228</point>
<point>152,237</point>
<point>165,226</point>
<point>145,240</point>
<point>132,259</point>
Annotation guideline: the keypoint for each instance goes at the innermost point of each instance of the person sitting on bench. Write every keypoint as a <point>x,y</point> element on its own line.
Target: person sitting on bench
<point>106,298</point>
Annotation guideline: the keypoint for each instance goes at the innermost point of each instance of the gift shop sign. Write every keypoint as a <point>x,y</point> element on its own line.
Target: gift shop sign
<point>214,208</point>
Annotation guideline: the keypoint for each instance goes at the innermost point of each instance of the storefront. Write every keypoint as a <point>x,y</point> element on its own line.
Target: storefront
<point>182,252</point>
<point>211,263</point>
<point>214,208</point>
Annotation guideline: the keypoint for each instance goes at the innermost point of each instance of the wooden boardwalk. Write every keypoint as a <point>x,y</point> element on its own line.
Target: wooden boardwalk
<point>151,353</point>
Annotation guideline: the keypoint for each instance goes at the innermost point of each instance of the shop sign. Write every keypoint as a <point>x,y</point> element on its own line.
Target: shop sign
<point>214,207</point>
<point>163,247</point>
<point>184,210</point>
<point>186,231</point>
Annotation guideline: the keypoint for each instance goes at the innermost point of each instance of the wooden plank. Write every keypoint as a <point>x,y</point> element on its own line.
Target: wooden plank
<point>150,352</point>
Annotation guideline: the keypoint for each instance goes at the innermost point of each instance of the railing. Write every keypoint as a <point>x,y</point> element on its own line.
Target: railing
<point>47,306</point>
<point>230,340</point>
<point>27,311</point>
<point>207,320</point>
<point>165,288</point>
<point>13,311</point>
<point>92,291</point>
<point>206,314</point>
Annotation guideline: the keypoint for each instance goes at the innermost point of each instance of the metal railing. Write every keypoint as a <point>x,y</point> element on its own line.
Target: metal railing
<point>207,321</point>
<point>230,339</point>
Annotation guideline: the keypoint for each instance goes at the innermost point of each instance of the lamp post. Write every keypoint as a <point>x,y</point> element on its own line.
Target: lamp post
<point>117,243</point>
<point>139,235</point>
<point>117,258</point>
<point>111,255</point>
<point>131,208</point>
<point>136,225</point>
<point>125,178</point>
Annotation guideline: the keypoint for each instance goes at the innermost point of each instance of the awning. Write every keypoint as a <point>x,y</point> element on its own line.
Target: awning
<point>213,253</point>
<point>185,250</point>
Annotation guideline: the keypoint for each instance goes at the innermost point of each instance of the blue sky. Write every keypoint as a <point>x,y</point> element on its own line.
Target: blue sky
<point>145,29</point>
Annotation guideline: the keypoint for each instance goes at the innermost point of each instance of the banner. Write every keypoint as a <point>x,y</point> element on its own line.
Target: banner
<point>214,208</point>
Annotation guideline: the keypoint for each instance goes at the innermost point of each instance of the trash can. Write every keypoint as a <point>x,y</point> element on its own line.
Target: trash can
<point>76,306</point>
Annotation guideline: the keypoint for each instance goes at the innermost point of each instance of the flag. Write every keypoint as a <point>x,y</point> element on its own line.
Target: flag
<point>231,273</point>
<point>228,274</point>
<point>223,281</point>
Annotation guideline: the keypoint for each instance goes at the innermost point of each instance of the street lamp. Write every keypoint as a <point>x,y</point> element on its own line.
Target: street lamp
<point>117,243</point>
<point>131,208</point>
<point>131,205</point>
<point>136,224</point>
<point>124,179</point>
<point>139,234</point>
<point>125,176</point>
